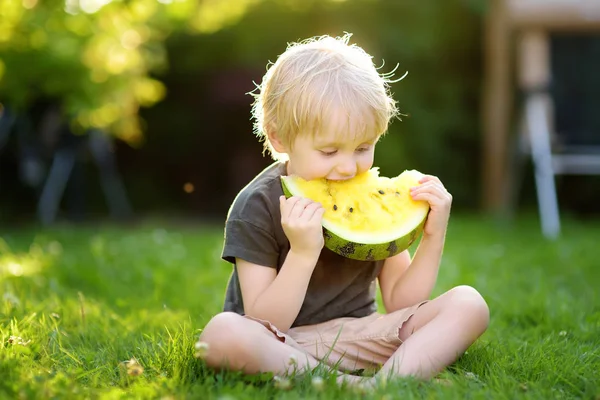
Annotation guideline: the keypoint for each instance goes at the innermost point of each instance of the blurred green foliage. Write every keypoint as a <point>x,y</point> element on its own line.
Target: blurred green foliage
<point>96,56</point>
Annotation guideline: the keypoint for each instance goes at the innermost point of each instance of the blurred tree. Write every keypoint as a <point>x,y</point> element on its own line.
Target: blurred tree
<point>96,57</point>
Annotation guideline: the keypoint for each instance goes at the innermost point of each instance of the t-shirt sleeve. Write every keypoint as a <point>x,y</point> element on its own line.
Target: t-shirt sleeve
<point>249,232</point>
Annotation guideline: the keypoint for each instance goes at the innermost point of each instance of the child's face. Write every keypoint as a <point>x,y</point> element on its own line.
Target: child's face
<point>330,156</point>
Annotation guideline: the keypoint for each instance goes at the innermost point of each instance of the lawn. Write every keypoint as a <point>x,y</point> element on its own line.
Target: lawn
<point>78,302</point>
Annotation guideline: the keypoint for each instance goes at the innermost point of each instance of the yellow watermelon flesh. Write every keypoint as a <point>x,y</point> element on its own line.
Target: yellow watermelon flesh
<point>368,217</point>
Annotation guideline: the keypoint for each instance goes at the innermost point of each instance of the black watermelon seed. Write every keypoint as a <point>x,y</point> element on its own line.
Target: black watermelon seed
<point>382,192</point>
<point>351,209</point>
<point>397,192</point>
<point>334,207</point>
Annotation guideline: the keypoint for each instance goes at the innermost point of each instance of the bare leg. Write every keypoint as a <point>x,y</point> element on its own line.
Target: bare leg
<point>438,333</point>
<point>240,344</point>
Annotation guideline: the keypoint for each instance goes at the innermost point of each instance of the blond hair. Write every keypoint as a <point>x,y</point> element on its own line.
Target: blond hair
<point>314,78</point>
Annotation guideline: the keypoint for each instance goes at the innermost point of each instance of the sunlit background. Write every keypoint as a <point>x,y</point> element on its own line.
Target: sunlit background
<point>125,134</point>
<point>168,82</point>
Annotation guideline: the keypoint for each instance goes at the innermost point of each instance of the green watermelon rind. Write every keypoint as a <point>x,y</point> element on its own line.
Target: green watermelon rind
<point>371,252</point>
<point>366,252</point>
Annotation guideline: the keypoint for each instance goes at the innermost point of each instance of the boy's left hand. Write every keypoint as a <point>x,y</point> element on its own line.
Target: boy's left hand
<point>433,191</point>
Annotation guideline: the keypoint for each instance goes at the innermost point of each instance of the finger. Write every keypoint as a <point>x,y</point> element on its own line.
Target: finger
<point>425,187</point>
<point>431,186</point>
<point>298,208</point>
<point>318,215</point>
<point>428,178</point>
<point>433,199</point>
<point>310,211</point>
<point>429,189</point>
<point>434,192</point>
<point>428,182</point>
<point>286,205</point>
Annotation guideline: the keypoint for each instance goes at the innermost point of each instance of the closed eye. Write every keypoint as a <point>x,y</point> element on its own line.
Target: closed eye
<point>363,149</point>
<point>328,153</point>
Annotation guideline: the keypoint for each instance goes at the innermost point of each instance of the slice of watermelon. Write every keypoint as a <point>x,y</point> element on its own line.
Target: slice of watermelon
<point>368,217</point>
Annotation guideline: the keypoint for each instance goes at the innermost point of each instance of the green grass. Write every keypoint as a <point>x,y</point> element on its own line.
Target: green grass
<point>86,299</point>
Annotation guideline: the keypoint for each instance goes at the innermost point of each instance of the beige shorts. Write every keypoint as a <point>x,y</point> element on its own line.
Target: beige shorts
<point>349,344</point>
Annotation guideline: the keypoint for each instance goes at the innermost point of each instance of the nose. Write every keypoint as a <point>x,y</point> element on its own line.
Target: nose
<point>346,168</point>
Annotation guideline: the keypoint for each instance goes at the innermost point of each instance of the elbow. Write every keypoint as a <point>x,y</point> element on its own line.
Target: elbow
<point>401,302</point>
<point>267,319</point>
<point>390,305</point>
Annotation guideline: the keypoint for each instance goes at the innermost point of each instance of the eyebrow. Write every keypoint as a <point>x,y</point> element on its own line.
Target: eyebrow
<point>337,143</point>
<point>328,144</point>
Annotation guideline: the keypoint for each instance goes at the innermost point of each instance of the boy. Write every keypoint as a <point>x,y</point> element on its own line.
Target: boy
<point>290,302</point>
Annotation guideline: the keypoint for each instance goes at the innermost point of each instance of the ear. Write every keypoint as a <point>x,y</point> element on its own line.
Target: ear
<point>277,144</point>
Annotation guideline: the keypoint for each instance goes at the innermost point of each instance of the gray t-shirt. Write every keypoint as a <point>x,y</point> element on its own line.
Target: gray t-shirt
<point>339,286</point>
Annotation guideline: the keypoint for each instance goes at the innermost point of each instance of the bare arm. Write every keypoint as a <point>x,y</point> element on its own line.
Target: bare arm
<point>278,297</point>
<point>404,283</point>
<point>274,297</point>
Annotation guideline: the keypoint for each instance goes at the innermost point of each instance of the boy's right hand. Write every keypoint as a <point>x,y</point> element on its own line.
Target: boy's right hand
<point>301,222</point>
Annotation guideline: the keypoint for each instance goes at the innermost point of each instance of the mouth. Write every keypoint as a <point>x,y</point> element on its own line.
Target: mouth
<point>339,179</point>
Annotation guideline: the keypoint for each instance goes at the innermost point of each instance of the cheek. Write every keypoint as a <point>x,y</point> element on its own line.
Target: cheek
<point>323,165</point>
<point>365,161</point>
<point>316,166</point>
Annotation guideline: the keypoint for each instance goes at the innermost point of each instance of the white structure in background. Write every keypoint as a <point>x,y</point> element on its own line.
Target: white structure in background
<point>530,23</point>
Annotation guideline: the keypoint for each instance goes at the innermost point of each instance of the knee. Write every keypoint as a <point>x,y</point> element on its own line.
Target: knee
<point>469,303</point>
<point>222,339</point>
